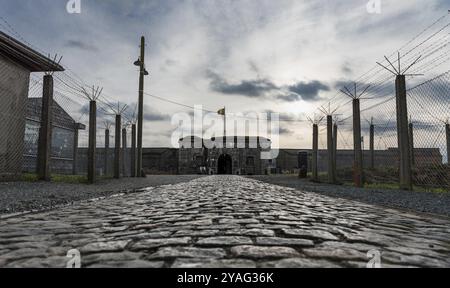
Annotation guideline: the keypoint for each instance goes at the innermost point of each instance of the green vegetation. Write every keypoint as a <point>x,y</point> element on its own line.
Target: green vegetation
<point>373,182</point>
<point>396,186</point>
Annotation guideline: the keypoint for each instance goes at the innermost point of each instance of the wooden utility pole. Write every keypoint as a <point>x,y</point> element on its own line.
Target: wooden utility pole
<point>92,141</point>
<point>142,73</point>
<point>45,132</point>
<point>117,147</point>
<point>315,168</point>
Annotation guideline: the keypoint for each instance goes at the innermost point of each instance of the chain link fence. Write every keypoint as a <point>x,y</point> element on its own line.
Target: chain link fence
<point>20,122</point>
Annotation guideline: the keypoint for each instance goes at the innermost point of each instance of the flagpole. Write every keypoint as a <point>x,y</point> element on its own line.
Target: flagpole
<point>225,126</point>
<point>224,122</point>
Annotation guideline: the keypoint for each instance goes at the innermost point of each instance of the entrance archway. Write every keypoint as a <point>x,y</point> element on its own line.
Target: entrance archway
<point>225,165</point>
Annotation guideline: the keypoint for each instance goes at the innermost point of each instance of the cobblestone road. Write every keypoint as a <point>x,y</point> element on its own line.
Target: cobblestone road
<point>224,221</point>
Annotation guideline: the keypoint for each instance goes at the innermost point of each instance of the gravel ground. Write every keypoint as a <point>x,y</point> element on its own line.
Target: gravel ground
<point>423,202</point>
<point>16,197</point>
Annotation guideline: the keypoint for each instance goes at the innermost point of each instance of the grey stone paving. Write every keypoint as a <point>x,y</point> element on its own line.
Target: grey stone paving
<point>415,201</point>
<point>224,221</point>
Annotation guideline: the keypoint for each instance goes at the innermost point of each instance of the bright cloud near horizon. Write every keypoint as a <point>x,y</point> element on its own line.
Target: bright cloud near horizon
<point>284,56</point>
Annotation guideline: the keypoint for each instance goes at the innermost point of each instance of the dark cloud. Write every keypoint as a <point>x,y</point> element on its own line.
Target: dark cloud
<point>76,44</point>
<point>249,88</point>
<point>307,91</point>
<point>291,97</point>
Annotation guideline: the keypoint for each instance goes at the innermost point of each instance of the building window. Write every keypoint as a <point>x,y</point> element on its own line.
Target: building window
<point>62,143</point>
<point>251,161</point>
<point>31,138</point>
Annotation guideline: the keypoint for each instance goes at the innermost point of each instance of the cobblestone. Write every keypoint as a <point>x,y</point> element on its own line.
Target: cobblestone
<point>275,241</point>
<point>225,241</point>
<point>202,263</point>
<point>260,252</point>
<point>155,243</point>
<point>224,222</point>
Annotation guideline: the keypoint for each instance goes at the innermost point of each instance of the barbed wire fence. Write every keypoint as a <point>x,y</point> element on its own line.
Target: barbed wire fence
<point>70,140</point>
<point>428,103</point>
<point>70,123</point>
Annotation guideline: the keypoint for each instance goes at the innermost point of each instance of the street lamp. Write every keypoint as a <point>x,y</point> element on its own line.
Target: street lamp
<point>139,63</point>
<point>142,72</point>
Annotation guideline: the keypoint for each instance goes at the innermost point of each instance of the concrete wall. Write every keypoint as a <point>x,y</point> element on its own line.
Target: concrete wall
<point>156,161</point>
<point>159,161</point>
<point>14,83</point>
<point>82,162</point>
<point>288,159</point>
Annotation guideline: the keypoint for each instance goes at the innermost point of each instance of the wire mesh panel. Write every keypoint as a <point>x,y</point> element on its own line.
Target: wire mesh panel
<point>14,81</point>
<point>422,60</point>
<point>429,107</point>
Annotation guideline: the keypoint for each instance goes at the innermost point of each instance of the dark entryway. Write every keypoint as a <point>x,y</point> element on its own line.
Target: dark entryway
<point>225,165</point>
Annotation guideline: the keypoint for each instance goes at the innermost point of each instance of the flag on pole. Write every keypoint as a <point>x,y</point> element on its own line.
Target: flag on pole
<point>223,113</point>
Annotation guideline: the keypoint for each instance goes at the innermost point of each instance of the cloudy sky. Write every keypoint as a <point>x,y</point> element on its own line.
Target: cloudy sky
<point>285,56</point>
